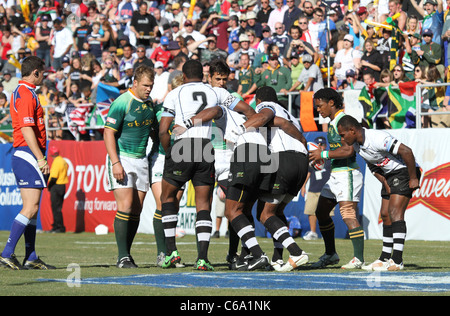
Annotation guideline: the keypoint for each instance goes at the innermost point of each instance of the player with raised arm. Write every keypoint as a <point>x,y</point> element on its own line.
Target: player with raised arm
<point>29,164</point>
<point>400,171</point>
<point>343,187</point>
<point>131,121</point>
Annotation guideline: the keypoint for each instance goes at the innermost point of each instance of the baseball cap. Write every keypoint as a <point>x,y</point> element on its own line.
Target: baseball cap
<point>175,6</point>
<point>348,37</point>
<point>320,140</point>
<point>362,10</point>
<point>295,55</point>
<point>306,58</point>
<point>273,56</point>
<point>244,38</point>
<point>53,151</point>
<point>65,59</point>
<point>188,23</point>
<point>430,1</point>
<point>164,40</point>
<point>350,73</point>
<point>428,32</point>
<point>159,64</point>
<point>45,17</point>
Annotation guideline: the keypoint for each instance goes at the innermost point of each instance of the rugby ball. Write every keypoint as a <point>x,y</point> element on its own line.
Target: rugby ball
<point>180,233</point>
<point>319,165</point>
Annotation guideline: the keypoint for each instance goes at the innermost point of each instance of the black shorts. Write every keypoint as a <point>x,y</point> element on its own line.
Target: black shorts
<point>251,167</point>
<point>399,181</point>
<point>190,159</point>
<point>291,173</point>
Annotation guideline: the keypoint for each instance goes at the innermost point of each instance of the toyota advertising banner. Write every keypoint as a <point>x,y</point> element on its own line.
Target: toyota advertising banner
<point>87,202</point>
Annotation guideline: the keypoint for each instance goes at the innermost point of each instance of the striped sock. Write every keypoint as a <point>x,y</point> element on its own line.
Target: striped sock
<point>327,230</point>
<point>203,229</point>
<point>399,236</point>
<point>280,232</point>
<point>125,228</point>
<point>246,233</point>
<point>388,243</point>
<point>357,238</point>
<point>169,220</point>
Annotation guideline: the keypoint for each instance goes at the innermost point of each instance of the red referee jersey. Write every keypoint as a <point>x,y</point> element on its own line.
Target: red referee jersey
<point>27,111</point>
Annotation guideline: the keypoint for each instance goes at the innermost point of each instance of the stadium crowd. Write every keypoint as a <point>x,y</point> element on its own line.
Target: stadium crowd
<point>278,43</point>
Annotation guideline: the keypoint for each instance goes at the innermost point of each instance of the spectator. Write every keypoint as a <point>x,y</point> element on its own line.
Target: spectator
<point>218,28</point>
<point>141,58</point>
<point>291,14</point>
<point>371,60</point>
<point>57,187</point>
<point>244,43</point>
<point>433,18</point>
<point>127,58</point>
<point>62,42</point>
<point>352,82</point>
<point>345,59</point>
<point>143,25</point>
<point>277,15</point>
<point>280,37</point>
<point>233,28</point>
<point>160,86</point>
<point>43,37</point>
<point>210,52</point>
<point>310,78</point>
<point>308,10</point>
<point>263,14</point>
<point>277,77</point>
<point>316,26</point>
<point>247,77</point>
<point>253,24</point>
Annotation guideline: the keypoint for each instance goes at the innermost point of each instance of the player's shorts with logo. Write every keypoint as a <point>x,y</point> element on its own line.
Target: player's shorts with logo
<point>136,174</point>
<point>398,181</point>
<point>291,173</point>
<point>190,159</point>
<point>344,186</point>
<point>26,169</point>
<point>250,168</point>
<point>156,163</point>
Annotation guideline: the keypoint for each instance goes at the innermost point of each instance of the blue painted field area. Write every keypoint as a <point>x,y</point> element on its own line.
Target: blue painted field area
<point>376,281</point>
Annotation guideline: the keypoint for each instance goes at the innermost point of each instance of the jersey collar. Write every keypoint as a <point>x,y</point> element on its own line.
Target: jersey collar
<point>29,85</point>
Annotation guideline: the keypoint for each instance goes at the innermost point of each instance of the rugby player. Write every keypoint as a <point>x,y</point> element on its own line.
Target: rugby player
<point>400,171</point>
<point>343,187</point>
<point>131,121</point>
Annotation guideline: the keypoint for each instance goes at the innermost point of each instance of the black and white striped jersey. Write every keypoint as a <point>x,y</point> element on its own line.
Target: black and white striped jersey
<point>277,139</point>
<point>189,99</point>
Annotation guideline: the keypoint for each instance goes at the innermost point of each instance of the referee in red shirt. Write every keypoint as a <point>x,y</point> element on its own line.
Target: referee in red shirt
<point>29,164</point>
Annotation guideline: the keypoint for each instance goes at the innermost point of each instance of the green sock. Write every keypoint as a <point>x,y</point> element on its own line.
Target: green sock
<point>158,229</point>
<point>125,228</point>
<point>357,238</point>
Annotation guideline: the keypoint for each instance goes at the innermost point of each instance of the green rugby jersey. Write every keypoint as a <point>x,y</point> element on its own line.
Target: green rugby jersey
<point>133,119</point>
<point>335,142</point>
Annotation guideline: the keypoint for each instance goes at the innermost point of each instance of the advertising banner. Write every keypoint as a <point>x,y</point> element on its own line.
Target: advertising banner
<point>87,202</point>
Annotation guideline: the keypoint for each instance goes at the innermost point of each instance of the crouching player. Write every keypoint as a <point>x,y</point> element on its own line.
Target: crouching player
<point>402,174</point>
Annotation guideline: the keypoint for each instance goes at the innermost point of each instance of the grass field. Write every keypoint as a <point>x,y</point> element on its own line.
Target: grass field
<point>427,270</point>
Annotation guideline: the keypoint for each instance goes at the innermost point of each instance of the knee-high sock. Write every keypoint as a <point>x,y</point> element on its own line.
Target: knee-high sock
<point>327,230</point>
<point>125,228</point>
<point>388,243</point>
<point>158,229</point>
<point>280,232</point>
<point>399,235</point>
<point>203,229</point>
<point>169,220</point>
<point>30,240</point>
<point>246,233</point>
<point>17,229</point>
<point>357,238</point>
